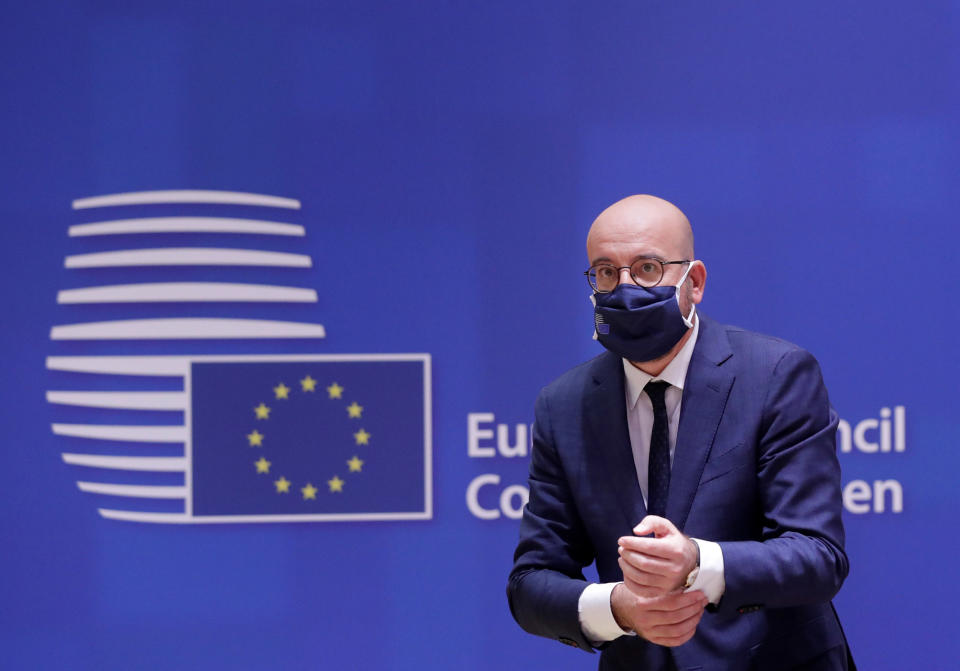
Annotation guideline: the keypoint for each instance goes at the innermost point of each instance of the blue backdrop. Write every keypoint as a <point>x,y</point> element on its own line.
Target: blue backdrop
<point>448,158</point>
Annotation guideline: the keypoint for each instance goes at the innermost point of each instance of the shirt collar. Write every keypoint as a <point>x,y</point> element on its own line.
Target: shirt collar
<point>675,372</point>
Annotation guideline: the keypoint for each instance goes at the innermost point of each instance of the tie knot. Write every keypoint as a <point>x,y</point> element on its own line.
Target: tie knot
<point>656,390</point>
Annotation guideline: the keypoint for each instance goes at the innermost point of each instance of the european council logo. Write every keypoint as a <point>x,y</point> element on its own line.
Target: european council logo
<point>221,436</point>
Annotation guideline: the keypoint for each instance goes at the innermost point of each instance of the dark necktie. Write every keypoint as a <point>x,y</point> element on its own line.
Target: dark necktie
<point>658,467</point>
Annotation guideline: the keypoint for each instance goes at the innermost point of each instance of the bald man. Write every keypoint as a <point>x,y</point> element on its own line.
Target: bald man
<point>695,464</point>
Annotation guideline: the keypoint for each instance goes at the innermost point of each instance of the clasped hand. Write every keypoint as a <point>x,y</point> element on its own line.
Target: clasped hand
<point>651,600</point>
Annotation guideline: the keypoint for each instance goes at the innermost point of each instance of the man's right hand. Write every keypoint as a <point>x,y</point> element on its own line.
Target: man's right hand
<point>670,619</point>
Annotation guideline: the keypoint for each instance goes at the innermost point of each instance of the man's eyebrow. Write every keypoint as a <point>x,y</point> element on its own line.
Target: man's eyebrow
<point>656,257</point>
<point>606,259</point>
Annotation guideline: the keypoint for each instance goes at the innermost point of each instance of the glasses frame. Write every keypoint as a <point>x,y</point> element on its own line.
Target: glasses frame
<point>620,270</point>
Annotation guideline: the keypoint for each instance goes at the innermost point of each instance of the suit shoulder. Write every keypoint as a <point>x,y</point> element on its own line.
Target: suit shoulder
<point>761,353</point>
<point>744,341</point>
<point>579,377</point>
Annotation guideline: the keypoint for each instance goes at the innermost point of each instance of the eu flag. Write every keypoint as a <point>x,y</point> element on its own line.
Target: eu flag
<point>339,438</point>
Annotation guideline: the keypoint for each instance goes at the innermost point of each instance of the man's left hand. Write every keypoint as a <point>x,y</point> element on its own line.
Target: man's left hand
<point>658,565</point>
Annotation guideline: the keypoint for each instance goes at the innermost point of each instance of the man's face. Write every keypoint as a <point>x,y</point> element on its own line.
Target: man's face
<point>645,227</point>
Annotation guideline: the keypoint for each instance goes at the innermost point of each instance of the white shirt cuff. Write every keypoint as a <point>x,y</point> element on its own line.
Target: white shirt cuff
<point>710,579</point>
<point>596,617</point>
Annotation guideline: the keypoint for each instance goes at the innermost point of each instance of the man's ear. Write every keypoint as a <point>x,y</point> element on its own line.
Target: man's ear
<point>698,280</point>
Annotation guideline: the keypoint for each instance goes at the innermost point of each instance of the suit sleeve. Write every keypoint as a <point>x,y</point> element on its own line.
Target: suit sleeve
<point>547,577</point>
<point>799,558</point>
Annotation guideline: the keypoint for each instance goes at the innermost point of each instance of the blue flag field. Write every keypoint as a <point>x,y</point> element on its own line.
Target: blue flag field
<point>309,439</point>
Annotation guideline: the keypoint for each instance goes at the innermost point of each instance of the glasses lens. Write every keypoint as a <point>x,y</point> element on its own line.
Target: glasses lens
<point>604,278</point>
<point>646,272</point>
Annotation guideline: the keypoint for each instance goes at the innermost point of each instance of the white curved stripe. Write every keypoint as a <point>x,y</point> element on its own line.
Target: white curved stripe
<point>140,491</point>
<point>190,292</point>
<point>124,400</point>
<point>160,464</point>
<point>186,196</point>
<point>185,225</point>
<point>178,366</point>
<point>137,434</point>
<point>186,328</point>
<point>161,366</point>
<point>137,516</point>
<point>187,256</point>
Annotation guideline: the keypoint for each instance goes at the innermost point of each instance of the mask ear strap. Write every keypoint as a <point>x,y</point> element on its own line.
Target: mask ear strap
<point>593,300</point>
<point>688,320</point>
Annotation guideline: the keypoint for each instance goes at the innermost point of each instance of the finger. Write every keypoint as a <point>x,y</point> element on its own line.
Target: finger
<point>650,564</point>
<point>677,629</point>
<point>656,547</point>
<point>668,632</point>
<point>650,584</point>
<point>672,642</point>
<point>641,574</point>
<point>643,579</point>
<point>653,524</point>
<point>675,634</point>
<point>652,558</point>
<point>676,606</point>
<point>652,627</point>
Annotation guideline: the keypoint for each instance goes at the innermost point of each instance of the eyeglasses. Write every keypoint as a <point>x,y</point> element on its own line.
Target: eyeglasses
<point>605,277</point>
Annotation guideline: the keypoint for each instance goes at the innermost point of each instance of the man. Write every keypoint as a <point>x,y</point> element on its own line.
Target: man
<point>695,463</point>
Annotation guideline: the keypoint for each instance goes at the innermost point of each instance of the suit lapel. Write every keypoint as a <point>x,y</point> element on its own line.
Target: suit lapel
<point>607,421</point>
<point>705,393</point>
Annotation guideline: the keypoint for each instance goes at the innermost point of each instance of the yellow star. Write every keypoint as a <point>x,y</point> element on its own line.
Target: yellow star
<point>309,492</point>
<point>355,464</point>
<point>262,411</point>
<point>255,438</point>
<point>335,390</point>
<point>282,391</point>
<point>355,410</point>
<point>336,484</point>
<point>362,437</point>
<point>308,383</point>
<point>263,466</point>
<point>282,485</point>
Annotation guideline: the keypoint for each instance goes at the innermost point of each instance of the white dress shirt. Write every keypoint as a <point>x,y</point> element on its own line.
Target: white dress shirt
<point>596,617</point>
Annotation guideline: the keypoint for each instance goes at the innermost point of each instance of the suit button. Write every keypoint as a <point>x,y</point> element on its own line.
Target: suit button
<point>568,641</point>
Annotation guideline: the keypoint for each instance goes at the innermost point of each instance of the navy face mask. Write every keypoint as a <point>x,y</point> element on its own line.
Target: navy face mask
<point>640,323</point>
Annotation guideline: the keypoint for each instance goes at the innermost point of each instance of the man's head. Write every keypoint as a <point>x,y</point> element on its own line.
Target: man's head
<point>644,220</point>
<point>652,228</point>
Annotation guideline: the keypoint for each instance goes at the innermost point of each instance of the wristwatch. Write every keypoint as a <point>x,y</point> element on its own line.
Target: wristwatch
<point>692,576</point>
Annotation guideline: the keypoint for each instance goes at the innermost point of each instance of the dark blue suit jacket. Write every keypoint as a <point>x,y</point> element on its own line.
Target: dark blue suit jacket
<point>755,469</point>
